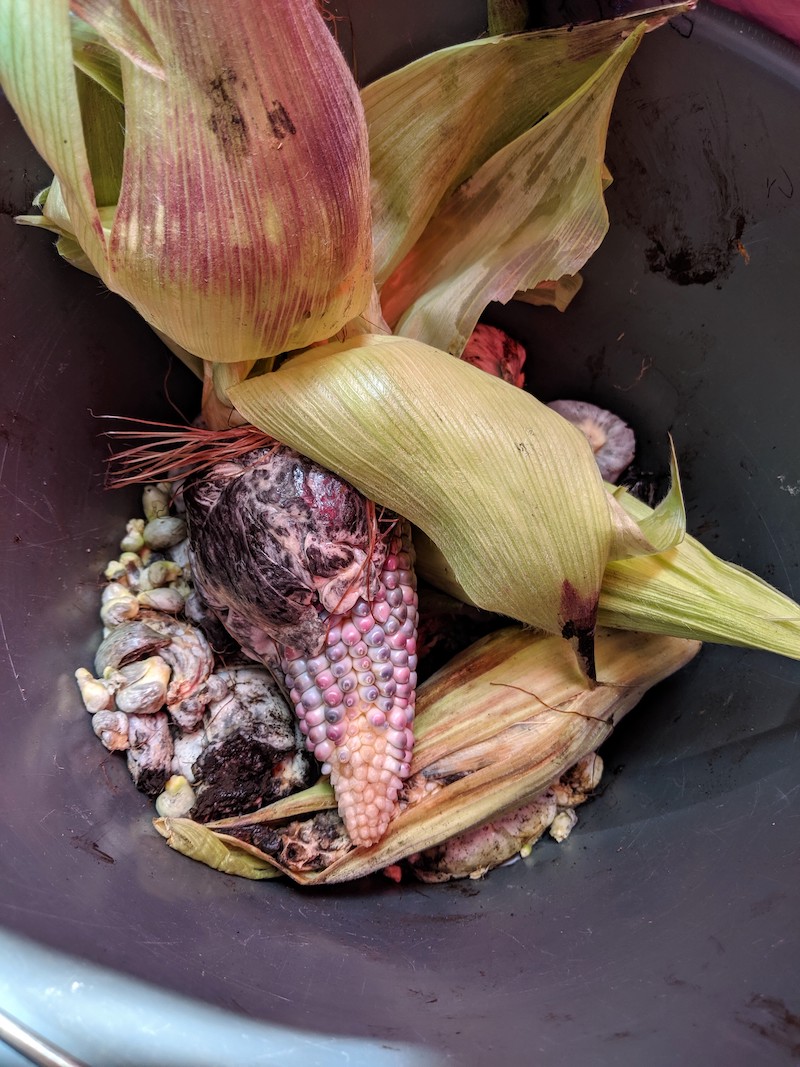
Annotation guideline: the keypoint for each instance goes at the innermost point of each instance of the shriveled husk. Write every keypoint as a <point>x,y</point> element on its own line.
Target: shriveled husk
<point>213,238</point>
<point>434,122</point>
<point>506,488</point>
<point>686,591</point>
<point>532,212</point>
<point>494,728</point>
<point>487,168</point>
<point>558,294</point>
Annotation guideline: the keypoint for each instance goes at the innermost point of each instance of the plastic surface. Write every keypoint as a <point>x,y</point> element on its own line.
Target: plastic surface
<point>666,927</point>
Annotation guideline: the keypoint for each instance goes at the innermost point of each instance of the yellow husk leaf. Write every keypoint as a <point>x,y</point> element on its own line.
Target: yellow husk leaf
<point>495,728</point>
<point>224,854</point>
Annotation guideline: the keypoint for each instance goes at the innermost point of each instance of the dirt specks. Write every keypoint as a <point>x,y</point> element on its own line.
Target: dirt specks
<point>688,243</point>
<point>771,1019</point>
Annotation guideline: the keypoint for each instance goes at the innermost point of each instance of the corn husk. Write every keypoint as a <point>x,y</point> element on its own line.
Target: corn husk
<point>488,172</point>
<point>495,728</point>
<point>435,122</point>
<point>532,212</point>
<point>558,294</point>
<point>689,592</point>
<point>211,237</point>
<point>223,853</point>
<point>685,590</point>
<point>508,489</point>
<point>92,54</point>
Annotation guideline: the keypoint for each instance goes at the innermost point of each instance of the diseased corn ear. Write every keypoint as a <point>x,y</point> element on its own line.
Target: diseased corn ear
<point>495,727</point>
<point>507,489</point>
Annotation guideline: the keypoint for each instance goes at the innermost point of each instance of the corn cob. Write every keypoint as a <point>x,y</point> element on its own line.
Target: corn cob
<point>355,700</point>
<point>290,558</point>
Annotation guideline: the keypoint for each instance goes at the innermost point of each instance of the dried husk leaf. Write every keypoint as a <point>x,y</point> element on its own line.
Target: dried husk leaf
<point>318,797</point>
<point>495,728</point>
<point>434,122</point>
<point>508,490</point>
<point>534,211</point>
<point>558,294</point>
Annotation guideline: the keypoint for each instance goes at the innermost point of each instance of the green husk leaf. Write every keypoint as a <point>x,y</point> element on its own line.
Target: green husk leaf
<point>38,77</point>
<point>117,22</point>
<point>534,211</point>
<point>507,488</point>
<point>223,853</point>
<point>103,120</point>
<point>689,592</point>
<point>685,591</point>
<point>55,218</point>
<point>92,55</point>
<point>656,531</point>
<point>69,250</point>
<point>666,526</point>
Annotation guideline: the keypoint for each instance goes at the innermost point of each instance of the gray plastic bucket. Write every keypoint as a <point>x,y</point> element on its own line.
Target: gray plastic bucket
<point>665,929</point>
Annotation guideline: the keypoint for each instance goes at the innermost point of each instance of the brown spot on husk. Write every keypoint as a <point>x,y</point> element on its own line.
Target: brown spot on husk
<point>226,120</point>
<point>280,120</point>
